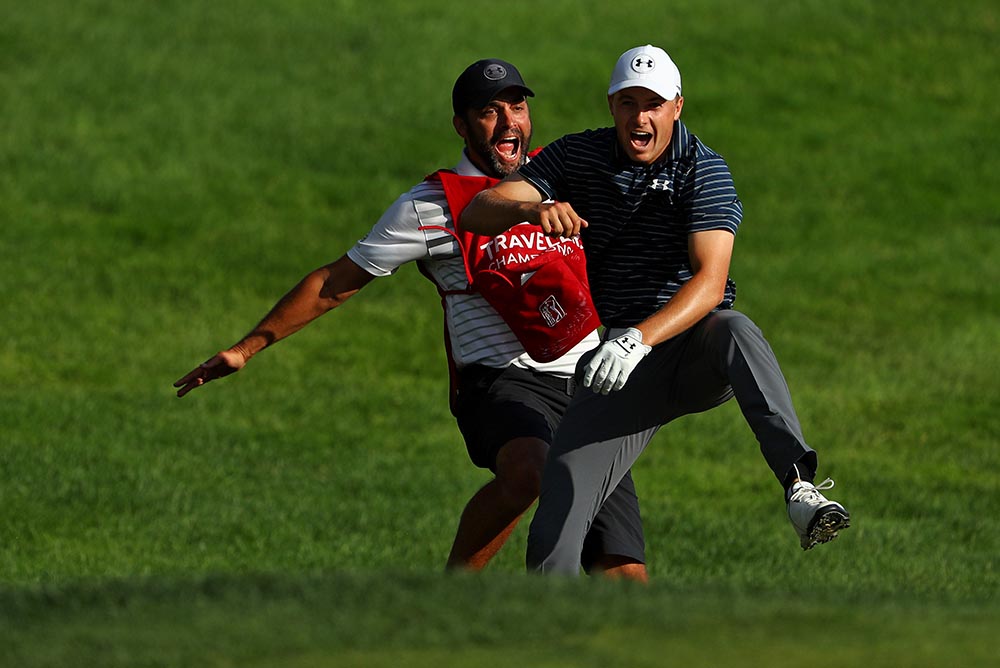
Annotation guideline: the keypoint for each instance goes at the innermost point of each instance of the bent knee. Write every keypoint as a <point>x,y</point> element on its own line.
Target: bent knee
<point>733,325</point>
<point>731,320</point>
<point>519,469</point>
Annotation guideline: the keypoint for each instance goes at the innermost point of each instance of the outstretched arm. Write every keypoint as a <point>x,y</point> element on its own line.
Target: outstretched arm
<point>514,200</point>
<point>320,291</point>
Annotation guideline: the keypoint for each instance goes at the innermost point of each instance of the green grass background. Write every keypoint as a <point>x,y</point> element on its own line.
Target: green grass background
<point>169,169</point>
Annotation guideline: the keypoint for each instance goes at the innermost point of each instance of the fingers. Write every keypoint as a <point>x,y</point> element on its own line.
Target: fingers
<point>613,363</point>
<point>620,381</point>
<point>611,380</point>
<point>196,378</point>
<point>593,366</point>
<point>198,382</point>
<point>588,373</point>
<point>558,219</point>
<point>191,376</point>
<point>601,373</point>
<point>203,373</point>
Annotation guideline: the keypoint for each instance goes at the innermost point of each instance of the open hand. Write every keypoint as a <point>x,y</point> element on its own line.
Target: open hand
<point>223,364</point>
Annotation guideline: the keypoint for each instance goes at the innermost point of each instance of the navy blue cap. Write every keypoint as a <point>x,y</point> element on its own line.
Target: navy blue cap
<point>482,81</point>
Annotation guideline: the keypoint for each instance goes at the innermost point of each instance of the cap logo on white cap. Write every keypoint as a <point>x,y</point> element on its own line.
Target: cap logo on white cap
<point>495,72</point>
<point>646,67</point>
<point>643,64</point>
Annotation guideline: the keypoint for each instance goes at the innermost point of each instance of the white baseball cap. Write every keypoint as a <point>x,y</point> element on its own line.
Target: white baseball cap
<point>649,67</point>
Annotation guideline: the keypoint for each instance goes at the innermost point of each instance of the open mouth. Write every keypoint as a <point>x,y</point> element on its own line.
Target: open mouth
<point>508,148</point>
<point>640,139</point>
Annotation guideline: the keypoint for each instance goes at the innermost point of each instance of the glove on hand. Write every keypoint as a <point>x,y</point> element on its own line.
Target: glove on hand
<point>611,365</point>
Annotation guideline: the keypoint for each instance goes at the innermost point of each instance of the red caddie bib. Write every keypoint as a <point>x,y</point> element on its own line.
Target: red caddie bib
<point>538,284</point>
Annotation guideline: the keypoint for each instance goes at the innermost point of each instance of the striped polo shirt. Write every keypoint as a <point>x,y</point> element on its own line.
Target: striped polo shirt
<point>639,215</point>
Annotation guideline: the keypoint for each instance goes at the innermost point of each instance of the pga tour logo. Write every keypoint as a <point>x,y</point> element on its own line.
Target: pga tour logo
<point>552,311</point>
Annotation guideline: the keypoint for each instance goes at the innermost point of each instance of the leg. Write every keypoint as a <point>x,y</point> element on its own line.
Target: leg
<point>598,441</point>
<point>508,417</point>
<point>734,348</point>
<point>615,546</point>
<point>581,472</point>
<point>737,349</point>
<point>615,567</point>
<point>494,511</point>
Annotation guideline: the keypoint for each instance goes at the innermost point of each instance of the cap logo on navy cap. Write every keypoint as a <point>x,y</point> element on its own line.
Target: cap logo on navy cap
<point>495,72</point>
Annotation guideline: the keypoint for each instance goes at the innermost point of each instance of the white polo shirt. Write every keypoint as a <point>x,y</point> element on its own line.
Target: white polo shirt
<point>478,334</point>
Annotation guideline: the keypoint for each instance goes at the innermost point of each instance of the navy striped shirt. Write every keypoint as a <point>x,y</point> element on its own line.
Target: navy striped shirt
<point>640,216</point>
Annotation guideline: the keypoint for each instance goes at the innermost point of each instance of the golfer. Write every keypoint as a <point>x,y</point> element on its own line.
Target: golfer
<point>658,214</point>
<point>507,405</point>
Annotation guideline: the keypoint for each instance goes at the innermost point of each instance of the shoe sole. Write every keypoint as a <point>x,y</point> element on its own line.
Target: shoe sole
<point>826,527</point>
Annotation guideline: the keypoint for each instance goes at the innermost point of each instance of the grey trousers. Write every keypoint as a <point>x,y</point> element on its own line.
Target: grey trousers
<point>601,436</point>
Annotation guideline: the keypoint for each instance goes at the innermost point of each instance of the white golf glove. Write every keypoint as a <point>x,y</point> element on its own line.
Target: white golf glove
<point>608,370</point>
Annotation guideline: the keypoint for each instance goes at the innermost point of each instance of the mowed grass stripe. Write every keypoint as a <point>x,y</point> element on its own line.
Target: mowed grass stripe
<point>354,619</point>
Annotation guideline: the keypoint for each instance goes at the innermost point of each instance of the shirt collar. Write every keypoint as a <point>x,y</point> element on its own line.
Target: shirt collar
<point>679,143</point>
<point>465,166</point>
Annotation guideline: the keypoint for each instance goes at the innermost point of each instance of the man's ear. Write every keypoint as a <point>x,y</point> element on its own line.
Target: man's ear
<point>460,126</point>
<point>680,104</point>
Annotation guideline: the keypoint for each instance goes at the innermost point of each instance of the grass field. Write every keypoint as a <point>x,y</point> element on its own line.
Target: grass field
<point>169,169</point>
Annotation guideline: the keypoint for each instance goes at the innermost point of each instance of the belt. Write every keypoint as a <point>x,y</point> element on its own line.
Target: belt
<point>566,384</point>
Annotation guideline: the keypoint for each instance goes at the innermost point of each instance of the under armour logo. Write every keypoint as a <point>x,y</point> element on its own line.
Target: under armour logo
<point>660,184</point>
<point>626,343</point>
<point>643,65</point>
<point>495,72</point>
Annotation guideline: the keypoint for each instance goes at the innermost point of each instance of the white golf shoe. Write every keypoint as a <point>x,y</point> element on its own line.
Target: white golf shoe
<point>816,519</point>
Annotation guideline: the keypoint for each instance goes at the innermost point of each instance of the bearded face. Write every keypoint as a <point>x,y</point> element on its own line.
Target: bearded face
<point>497,136</point>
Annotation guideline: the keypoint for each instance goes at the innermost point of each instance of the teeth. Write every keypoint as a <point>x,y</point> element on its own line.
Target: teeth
<point>507,146</point>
